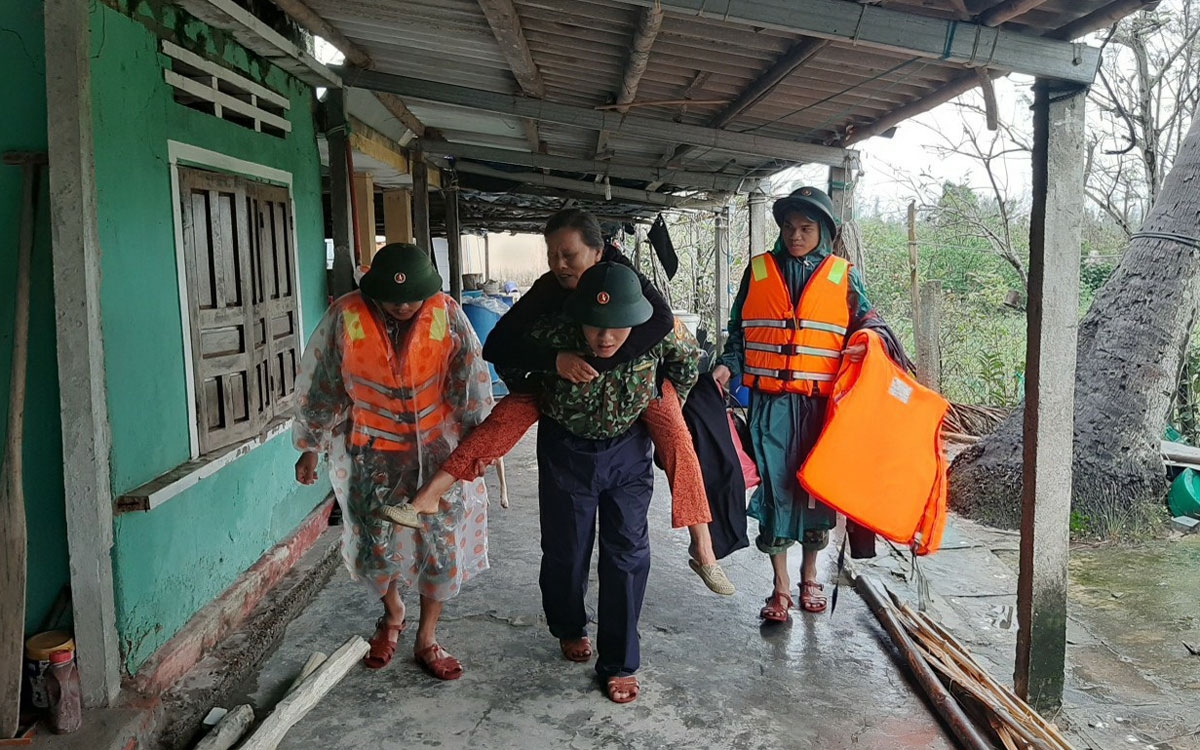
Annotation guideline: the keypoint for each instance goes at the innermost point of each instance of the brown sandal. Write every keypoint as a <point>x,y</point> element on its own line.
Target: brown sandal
<point>438,663</point>
<point>576,649</point>
<point>778,605</point>
<point>627,687</point>
<point>810,598</point>
<point>383,648</point>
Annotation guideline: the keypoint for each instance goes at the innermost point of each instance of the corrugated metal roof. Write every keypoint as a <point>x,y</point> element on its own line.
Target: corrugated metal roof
<point>581,49</point>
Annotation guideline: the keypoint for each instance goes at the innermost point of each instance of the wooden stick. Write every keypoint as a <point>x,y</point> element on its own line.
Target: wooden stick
<point>14,537</point>
<point>944,703</point>
<point>228,730</point>
<point>317,659</point>
<point>295,706</point>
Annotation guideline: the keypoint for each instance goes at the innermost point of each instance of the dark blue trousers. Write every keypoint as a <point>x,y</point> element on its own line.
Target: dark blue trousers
<point>579,479</point>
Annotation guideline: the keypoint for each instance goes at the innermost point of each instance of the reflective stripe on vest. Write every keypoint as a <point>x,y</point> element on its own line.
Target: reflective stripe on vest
<point>396,399</point>
<point>795,347</point>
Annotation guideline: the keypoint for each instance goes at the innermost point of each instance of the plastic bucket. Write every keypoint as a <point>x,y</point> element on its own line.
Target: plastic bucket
<point>689,319</point>
<point>483,321</point>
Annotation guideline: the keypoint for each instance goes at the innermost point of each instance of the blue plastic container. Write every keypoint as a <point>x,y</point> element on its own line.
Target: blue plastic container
<point>483,321</point>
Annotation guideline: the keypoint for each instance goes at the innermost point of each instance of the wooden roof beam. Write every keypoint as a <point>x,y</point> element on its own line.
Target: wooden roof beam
<point>788,62</point>
<point>506,27</point>
<point>953,41</point>
<point>635,67</point>
<point>1102,18</point>
<point>693,180</point>
<point>590,119</point>
<point>311,20</point>
<point>398,109</point>
<point>585,187</point>
<point>1007,11</point>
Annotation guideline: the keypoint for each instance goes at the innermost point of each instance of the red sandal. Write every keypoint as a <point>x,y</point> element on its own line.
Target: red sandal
<point>438,663</point>
<point>777,607</point>
<point>810,597</point>
<point>576,649</point>
<point>383,648</point>
<point>622,689</point>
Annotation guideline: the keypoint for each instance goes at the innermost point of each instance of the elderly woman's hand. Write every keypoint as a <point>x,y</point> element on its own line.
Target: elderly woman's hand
<point>722,374</point>
<point>306,468</point>
<point>574,368</point>
<point>855,353</point>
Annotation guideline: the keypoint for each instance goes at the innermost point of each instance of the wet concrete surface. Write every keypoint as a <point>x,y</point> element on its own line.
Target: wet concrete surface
<point>712,677</point>
<point>1130,683</point>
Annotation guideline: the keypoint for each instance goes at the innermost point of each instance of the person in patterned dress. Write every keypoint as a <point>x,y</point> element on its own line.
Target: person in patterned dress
<point>391,381</point>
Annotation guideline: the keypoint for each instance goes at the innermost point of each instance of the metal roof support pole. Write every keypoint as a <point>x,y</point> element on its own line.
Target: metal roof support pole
<point>1054,250</point>
<point>721,282</point>
<point>337,135</point>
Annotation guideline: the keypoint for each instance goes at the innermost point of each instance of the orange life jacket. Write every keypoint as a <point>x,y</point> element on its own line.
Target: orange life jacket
<point>795,348</point>
<point>879,459</point>
<point>397,399</point>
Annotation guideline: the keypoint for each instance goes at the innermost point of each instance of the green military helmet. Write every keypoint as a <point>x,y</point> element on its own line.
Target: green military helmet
<point>401,272</point>
<point>810,201</point>
<point>609,295</point>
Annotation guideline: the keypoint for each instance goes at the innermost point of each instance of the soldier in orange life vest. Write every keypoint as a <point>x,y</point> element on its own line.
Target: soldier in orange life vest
<point>787,330</point>
<point>391,381</point>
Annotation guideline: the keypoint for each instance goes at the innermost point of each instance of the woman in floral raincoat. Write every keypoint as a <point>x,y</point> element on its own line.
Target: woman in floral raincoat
<point>391,381</point>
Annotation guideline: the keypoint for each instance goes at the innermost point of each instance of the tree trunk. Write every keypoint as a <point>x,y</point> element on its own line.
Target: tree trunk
<point>1129,354</point>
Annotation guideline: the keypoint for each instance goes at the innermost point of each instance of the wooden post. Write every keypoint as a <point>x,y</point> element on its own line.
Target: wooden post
<point>364,214</point>
<point>926,332</point>
<point>1053,309</point>
<point>338,137</point>
<point>913,283</point>
<point>722,277</point>
<point>397,215</point>
<point>81,376</point>
<point>420,202</point>
<point>453,236</point>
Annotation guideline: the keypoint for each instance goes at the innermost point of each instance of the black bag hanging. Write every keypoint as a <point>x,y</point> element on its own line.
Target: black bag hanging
<point>660,239</point>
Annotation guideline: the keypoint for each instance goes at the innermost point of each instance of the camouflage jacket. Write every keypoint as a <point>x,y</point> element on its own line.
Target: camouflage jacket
<point>609,405</point>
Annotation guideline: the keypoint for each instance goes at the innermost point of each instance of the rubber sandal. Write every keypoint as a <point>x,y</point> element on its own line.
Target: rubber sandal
<point>434,659</point>
<point>403,514</point>
<point>778,605</point>
<point>810,599</point>
<point>576,649</point>
<point>714,577</point>
<point>628,686</point>
<point>383,648</point>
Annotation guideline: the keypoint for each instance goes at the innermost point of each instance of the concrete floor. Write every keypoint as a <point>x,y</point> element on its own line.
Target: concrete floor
<point>711,676</point>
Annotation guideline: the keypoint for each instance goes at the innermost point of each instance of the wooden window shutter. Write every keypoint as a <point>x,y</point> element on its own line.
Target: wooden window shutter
<point>217,239</point>
<point>280,298</point>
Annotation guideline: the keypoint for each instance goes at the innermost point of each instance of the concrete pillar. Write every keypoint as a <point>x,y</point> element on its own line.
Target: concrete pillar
<point>82,394</point>
<point>487,257</point>
<point>722,277</point>
<point>757,204</point>
<point>420,202</point>
<point>453,237</point>
<point>397,215</point>
<point>338,139</point>
<point>927,330</point>
<point>363,185</point>
<point>1054,249</point>
<point>841,192</point>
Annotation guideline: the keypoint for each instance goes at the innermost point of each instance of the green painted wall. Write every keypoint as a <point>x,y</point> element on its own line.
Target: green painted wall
<point>23,91</point>
<point>172,560</point>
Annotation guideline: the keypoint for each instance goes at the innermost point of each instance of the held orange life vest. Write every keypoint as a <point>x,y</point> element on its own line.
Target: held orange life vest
<point>879,459</point>
<point>397,399</point>
<point>795,349</point>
